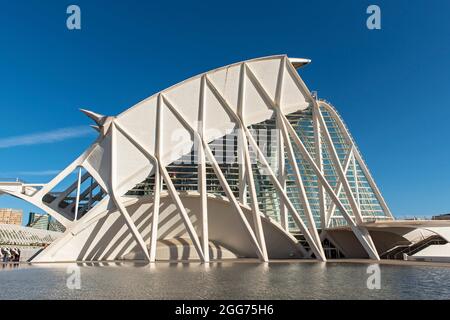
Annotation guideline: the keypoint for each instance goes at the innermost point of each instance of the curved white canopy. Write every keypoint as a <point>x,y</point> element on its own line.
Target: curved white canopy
<point>208,92</point>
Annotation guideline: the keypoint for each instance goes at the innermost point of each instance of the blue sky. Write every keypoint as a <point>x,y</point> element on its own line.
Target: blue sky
<point>391,85</point>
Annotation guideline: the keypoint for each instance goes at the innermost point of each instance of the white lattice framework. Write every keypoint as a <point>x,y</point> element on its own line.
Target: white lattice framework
<point>23,236</point>
<point>137,144</point>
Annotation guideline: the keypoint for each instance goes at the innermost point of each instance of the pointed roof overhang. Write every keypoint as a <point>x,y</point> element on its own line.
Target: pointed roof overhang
<point>299,62</point>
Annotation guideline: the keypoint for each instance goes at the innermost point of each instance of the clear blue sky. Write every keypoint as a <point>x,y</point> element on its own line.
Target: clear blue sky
<point>392,86</point>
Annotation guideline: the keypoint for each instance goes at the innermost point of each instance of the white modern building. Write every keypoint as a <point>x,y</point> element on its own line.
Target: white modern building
<point>239,162</point>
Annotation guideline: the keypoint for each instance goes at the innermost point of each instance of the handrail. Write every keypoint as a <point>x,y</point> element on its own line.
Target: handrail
<point>397,245</point>
<point>410,248</point>
<point>425,244</point>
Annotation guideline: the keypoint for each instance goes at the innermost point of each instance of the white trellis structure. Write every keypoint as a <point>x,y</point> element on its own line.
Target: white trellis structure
<point>22,236</point>
<point>137,144</point>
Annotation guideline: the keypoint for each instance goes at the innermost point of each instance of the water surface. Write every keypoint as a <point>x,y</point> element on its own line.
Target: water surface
<point>225,280</point>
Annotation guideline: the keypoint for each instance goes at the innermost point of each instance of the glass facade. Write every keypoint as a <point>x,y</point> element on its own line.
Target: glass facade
<point>184,172</point>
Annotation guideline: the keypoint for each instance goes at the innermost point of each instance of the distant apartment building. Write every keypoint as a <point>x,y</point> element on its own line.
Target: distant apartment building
<point>38,221</point>
<point>445,216</point>
<point>54,225</point>
<point>44,222</point>
<point>11,216</point>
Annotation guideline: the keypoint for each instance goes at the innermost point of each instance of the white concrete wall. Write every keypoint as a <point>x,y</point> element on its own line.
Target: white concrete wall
<point>108,237</point>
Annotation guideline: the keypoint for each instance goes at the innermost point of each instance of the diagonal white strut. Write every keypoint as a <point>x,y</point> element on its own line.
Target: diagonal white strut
<point>338,188</point>
<point>129,221</point>
<point>360,234</point>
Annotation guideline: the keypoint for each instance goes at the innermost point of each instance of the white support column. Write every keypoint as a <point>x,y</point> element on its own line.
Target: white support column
<point>158,185</point>
<point>129,221</point>
<point>201,159</point>
<point>155,214</point>
<point>77,199</point>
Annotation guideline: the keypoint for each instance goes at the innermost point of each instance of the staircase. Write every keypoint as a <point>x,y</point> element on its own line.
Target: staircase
<point>397,252</point>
